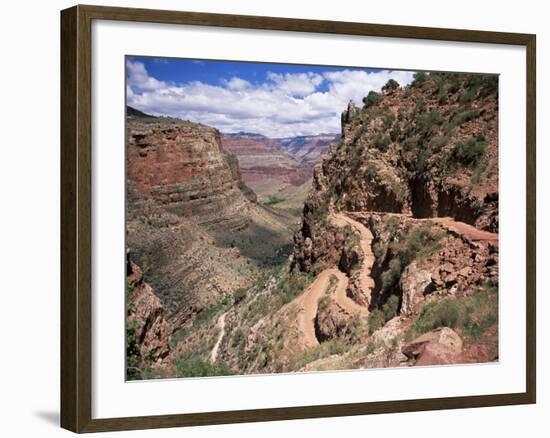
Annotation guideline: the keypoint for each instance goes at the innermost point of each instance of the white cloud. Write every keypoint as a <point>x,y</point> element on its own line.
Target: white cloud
<point>284,105</point>
<point>237,84</point>
<point>295,84</point>
<point>140,79</point>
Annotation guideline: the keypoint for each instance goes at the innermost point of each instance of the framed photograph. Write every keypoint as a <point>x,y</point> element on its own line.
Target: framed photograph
<point>269,218</point>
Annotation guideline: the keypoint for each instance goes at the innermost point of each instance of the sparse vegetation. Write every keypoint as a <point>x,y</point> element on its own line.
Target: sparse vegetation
<point>324,349</point>
<point>376,320</point>
<point>133,356</point>
<point>199,368</point>
<point>239,295</point>
<point>472,315</point>
<point>469,152</point>
<point>292,285</point>
<point>415,243</point>
<point>272,200</point>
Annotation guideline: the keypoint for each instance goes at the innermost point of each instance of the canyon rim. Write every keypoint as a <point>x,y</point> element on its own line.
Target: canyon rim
<point>291,218</point>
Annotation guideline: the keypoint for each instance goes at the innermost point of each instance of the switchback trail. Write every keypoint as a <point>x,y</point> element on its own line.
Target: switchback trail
<point>308,302</point>
<point>221,325</point>
<point>366,282</point>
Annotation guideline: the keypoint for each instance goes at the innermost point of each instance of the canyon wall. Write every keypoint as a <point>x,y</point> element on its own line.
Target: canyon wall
<point>426,150</point>
<point>184,168</point>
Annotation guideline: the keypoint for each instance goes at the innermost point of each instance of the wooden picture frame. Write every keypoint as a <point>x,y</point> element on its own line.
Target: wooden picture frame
<point>76,217</point>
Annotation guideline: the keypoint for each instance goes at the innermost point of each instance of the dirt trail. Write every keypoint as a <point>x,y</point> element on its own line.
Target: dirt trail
<point>462,229</point>
<point>221,325</point>
<point>466,230</point>
<point>366,282</point>
<point>309,301</point>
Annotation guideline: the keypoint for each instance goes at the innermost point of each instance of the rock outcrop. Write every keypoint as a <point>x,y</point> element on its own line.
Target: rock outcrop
<point>418,167</point>
<point>192,224</point>
<point>184,168</point>
<point>148,330</point>
<point>438,347</point>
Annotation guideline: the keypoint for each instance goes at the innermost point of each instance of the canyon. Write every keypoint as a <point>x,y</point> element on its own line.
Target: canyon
<point>377,247</point>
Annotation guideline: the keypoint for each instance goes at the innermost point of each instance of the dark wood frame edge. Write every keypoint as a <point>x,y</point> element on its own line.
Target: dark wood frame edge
<point>76,304</point>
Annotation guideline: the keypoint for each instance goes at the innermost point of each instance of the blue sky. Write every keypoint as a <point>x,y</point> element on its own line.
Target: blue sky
<point>277,100</point>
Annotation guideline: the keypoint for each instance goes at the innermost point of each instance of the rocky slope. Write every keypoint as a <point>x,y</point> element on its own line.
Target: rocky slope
<point>395,262</point>
<point>417,166</point>
<point>147,331</point>
<point>193,226</point>
<point>184,168</point>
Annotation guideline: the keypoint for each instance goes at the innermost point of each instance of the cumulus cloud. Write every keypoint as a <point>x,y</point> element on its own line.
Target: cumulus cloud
<point>237,84</point>
<point>282,105</point>
<point>139,79</point>
<point>297,84</point>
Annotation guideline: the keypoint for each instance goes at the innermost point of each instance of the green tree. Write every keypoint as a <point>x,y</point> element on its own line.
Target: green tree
<point>391,85</point>
<point>371,99</point>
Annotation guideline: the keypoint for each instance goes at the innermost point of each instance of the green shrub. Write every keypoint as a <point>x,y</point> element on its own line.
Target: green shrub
<point>395,132</point>
<point>324,349</point>
<point>472,315</point>
<point>178,336</point>
<point>416,243</point>
<point>410,144</point>
<point>371,347</point>
<point>464,116</point>
<point>419,79</point>
<point>359,132</point>
<point>381,142</point>
<point>454,86</point>
<point>272,200</point>
<point>291,285</point>
<point>391,85</point>
<point>473,82</point>
<point>199,368</point>
<point>376,320</point>
<point>371,170</point>
<point>427,123</point>
<point>388,121</point>
<point>391,276</point>
<point>391,307</point>
<point>442,95</point>
<point>238,338</point>
<point>439,143</point>
<point>239,295</point>
<point>133,355</point>
<point>467,96</point>
<point>470,151</point>
<point>371,99</point>
<point>489,86</point>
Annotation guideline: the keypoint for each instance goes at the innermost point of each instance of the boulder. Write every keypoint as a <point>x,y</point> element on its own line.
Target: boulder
<point>441,346</point>
<point>415,284</point>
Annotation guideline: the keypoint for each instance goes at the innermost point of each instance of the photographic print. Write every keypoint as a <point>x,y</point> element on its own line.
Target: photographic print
<point>296,218</point>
